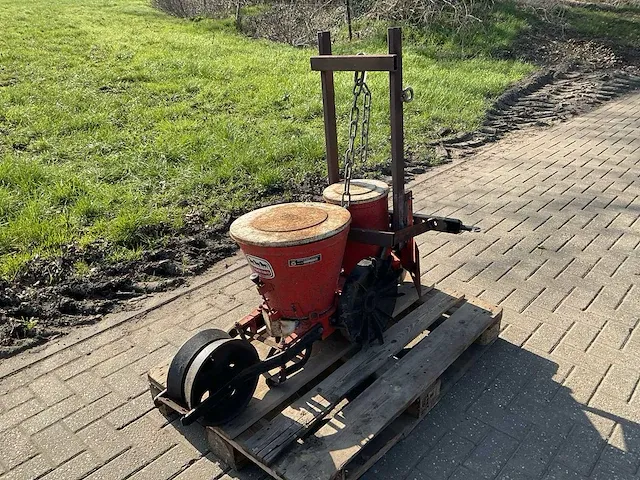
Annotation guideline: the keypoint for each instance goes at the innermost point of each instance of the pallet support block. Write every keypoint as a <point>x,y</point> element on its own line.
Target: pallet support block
<point>490,334</point>
<point>226,452</point>
<point>425,401</point>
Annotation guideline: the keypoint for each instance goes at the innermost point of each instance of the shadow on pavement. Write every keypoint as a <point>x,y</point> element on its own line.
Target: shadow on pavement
<point>519,415</point>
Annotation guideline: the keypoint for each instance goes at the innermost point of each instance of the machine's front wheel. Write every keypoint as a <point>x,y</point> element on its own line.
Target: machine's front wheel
<point>205,364</point>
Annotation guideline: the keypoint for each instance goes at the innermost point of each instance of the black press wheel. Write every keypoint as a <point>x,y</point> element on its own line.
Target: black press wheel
<point>215,366</point>
<point>185,356</point>
<point>204,364</point>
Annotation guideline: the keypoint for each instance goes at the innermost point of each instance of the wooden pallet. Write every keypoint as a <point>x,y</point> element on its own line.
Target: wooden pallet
<point>346,408</point>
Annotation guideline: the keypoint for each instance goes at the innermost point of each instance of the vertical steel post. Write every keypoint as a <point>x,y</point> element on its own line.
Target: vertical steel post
<point>394,40</point>
<point>349,19</point>
<point>329,103</point>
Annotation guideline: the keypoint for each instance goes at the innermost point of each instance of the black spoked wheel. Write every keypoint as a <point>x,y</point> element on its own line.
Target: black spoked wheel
<point>204,365</point>
<point>368,300</point>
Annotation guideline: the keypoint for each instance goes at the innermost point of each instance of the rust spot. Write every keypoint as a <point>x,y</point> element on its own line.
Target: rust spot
<point>289,218</point>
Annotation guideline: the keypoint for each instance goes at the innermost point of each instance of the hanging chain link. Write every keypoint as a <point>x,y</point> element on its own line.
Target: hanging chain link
<point>359,86</point>
<point>364,132</point>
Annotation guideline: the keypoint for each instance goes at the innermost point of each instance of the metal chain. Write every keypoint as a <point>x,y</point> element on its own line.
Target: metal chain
<point>364,133</point>
<point>359,86</point>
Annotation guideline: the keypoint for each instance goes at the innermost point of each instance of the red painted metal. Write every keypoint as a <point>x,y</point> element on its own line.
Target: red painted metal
<point>303,279</point>
<point>324,319</point>
<point>372,215</point>
<point>250,323</point>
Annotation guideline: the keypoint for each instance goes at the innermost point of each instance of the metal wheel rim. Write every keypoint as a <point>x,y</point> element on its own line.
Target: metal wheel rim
<point>195,367</point>
<point>216,365</point>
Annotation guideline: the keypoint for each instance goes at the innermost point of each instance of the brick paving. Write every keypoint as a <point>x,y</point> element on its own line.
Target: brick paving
<point>556,397</point>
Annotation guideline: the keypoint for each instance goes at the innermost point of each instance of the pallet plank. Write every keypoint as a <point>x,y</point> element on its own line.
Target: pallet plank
<point>304,413</point>
<point>325,453</point>
<point>325,354</point>
<point>392,434</point>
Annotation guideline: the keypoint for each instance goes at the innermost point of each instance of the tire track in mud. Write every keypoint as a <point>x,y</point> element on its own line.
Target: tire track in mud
<point>547,97</point>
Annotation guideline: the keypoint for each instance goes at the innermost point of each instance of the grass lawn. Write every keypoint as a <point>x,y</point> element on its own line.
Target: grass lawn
<point>622,27</point>
<point>117,120</point>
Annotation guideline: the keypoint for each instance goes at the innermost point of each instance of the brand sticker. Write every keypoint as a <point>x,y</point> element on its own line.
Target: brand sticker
<point>301,262</point>
<point>261,266</point>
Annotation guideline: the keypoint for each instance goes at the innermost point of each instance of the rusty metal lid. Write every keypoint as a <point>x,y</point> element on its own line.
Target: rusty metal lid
<point>289,224</point>
<point>362,190</point>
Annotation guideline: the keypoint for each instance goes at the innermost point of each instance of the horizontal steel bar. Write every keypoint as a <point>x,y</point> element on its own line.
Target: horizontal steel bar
<point>175,406</point>
<point>372,237</point>
<point>422,224</point>
<point>354,63</point>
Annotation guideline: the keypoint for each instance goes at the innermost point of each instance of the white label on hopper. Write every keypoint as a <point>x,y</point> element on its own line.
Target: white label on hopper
<point>301,262</point>
<point>261,266</point>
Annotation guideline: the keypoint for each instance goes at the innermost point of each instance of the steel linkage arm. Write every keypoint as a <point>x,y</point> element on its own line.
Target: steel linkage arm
<point>421,224</point>
<point>278,360</point>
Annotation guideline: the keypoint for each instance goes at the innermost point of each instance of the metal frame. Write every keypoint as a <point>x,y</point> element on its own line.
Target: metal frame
<point>422,224</point>
<point>399,242</point>
<point>326,64</point>
<point>404,224</point>
<point>358,63</point>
